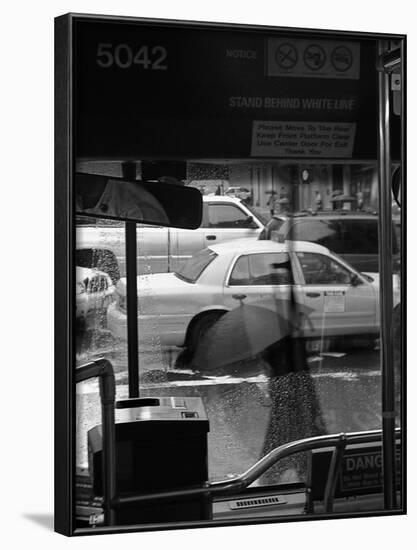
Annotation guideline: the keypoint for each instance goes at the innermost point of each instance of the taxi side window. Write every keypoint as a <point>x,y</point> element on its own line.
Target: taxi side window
<point>262,269</point>
<point>322,270</point>
<point>240,274</point>
<point>228,216</point>
<point>270,269</point>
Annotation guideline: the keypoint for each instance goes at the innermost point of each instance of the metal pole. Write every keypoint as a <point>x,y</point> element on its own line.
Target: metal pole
<point>403,306</point>
<point>129,173</point>
<point>132,309</point>
<point>386,289</point>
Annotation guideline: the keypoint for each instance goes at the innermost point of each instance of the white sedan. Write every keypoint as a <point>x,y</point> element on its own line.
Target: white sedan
<point>175,309</point>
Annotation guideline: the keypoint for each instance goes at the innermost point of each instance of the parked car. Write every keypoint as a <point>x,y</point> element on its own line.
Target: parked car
<point>94,292</point>
<point>238,192</point>
<point>101,259</point>
<point>163,249</point>
<point>353,235</point>
<point>178,307</point>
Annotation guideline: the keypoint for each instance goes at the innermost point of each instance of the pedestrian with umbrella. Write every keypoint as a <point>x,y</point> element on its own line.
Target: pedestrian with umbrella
<point>270,332</point>
<point>295,409</point>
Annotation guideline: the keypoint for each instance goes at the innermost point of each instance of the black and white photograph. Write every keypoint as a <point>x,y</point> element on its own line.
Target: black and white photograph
<point>235,345</point>
<point>208,317</point>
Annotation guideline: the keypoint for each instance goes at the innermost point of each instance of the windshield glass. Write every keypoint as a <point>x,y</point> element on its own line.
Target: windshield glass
<point>261,217</point>
<point>279,347</point>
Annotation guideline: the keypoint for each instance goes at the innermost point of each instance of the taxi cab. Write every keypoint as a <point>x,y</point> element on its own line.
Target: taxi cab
<point>180,306</point>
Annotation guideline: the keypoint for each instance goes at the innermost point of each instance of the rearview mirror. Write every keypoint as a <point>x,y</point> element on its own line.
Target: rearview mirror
<point>155,203</point>
<point>354,280</point>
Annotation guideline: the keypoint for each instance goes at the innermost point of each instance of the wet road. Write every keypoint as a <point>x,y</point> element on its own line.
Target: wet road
<point>238,402</point>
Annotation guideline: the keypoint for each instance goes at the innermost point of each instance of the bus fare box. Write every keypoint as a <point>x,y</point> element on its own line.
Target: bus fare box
<point>161,444</point>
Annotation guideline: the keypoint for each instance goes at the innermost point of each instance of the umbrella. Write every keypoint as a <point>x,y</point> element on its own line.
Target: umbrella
<point>247,331</point>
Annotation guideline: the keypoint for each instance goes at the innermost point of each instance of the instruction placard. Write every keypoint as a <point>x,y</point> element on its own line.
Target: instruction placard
<point>334,301</point>
<point>313,59</point>
<point>302,139</point>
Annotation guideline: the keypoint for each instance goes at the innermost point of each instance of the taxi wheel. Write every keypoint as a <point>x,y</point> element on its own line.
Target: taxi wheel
<point>200,327</point>
<point>183,359</point>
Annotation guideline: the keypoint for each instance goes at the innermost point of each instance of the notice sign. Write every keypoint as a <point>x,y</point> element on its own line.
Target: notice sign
<point>334,301</point>
<point>302,139</point>
<point>313,59</point>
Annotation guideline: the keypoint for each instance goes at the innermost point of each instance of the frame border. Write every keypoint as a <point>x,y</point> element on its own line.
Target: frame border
<point>64,408</point>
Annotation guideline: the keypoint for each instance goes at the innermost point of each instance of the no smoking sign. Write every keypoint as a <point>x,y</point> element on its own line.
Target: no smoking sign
<point>286,56</point>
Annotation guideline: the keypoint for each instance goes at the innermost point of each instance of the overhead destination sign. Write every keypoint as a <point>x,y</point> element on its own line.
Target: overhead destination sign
<point>171,90</point>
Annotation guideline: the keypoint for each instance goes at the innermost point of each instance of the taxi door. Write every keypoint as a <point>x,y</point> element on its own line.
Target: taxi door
<point>265,277</point>
<point>342,302</point>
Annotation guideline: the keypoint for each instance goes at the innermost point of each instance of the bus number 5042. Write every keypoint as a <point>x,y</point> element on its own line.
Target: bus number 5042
<point>124,57</point>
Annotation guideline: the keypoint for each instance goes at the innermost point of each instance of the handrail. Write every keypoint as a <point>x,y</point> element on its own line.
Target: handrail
<point>103,370</point>
<point>240,483</point>
<point>389,61</point>
<point>334,469</point>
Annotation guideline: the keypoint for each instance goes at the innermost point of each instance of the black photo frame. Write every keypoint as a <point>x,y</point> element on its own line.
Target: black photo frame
<point>107,114</point>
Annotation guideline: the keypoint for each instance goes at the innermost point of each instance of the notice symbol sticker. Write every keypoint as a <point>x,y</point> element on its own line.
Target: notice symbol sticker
<point>286,56</point>
<point>341,58</point>
<point>314,57</point>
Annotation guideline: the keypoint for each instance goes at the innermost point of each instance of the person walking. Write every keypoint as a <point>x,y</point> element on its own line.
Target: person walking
<point>272,203</point>
<point>295,408</point>
<point>359,200</point>
<point>318,201</point>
